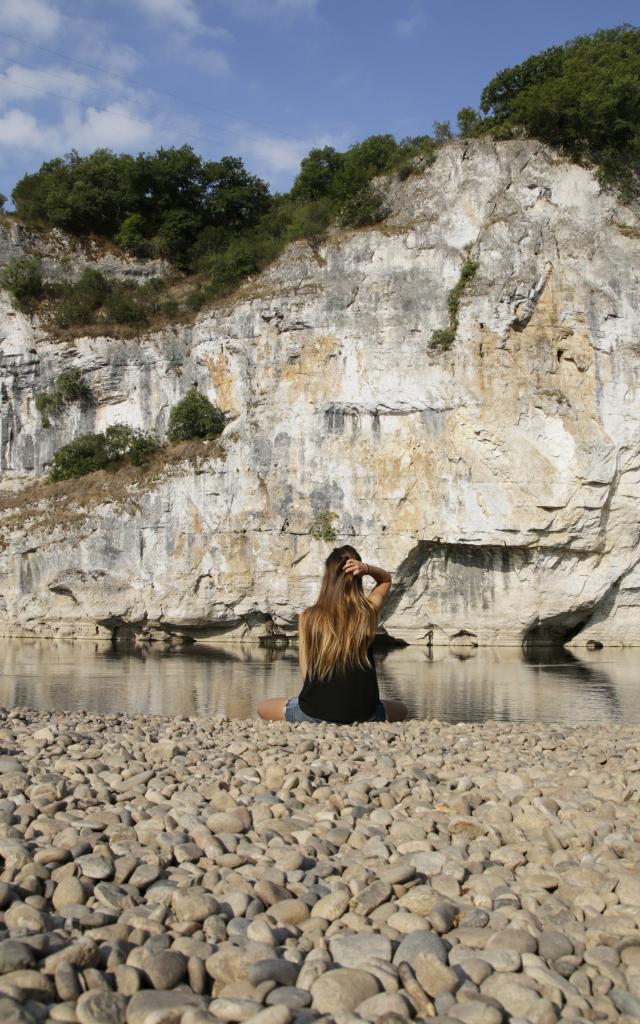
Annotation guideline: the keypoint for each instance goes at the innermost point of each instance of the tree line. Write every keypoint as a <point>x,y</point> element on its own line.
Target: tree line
<point>216,219</point>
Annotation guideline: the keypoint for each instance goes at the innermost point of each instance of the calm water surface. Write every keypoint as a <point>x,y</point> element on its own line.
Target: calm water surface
<point>499,683</point>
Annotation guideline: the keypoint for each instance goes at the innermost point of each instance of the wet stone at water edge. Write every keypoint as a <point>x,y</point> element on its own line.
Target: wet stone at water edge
<point>278,874</point>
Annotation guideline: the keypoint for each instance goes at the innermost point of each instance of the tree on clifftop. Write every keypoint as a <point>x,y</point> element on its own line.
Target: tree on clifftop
<point>583,96</point>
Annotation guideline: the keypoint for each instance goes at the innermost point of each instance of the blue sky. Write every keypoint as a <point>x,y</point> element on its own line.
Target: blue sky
<point>262,79</point>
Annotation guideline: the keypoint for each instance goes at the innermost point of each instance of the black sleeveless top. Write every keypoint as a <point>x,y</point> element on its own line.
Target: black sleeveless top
<point>343,697</point>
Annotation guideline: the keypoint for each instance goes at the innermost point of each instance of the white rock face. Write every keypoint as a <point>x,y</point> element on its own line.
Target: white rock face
<point>499,480</point>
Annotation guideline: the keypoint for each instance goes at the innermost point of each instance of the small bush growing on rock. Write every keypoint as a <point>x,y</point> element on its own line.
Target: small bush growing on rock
<point>22,277</point>
<point>90,452</point>
<point>170,307</point>
<point>124,308</point>
<point>445,337</point>
<point>130,443</point>
<point>309,220</point>
<point>82,455</point>
<point>69,387</point>
<point>366,206</point>
<point>195,299</point>
<point>74,310</point>
<point>322,527</point>
<point>81,298</point>
<point>195,416</point>
<point>406,170</point>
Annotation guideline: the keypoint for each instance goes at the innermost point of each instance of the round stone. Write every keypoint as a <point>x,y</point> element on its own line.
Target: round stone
<point>15,956</point>
<point>96,1007</point>
<point>332,906</point>
<point>289,995</point>
<point>342,990</point>
<point>283,972</point>
<point>68,892</point>
<point>354,950</point>
<point>93,865</point>
<point>165,1007</point>
<point>164,970</point>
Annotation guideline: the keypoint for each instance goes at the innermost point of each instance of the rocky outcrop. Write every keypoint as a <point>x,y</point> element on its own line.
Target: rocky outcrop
<point>63,257</point>
<point>498,480</point>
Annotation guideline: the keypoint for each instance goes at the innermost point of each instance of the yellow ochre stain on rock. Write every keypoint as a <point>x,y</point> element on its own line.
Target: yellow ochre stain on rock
<point>221,379</point>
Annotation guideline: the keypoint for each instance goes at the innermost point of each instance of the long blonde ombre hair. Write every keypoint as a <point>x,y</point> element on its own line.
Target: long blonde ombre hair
<point>337,630</point>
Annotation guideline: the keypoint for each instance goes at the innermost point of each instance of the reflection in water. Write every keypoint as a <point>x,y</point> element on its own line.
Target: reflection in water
<point>468,685</point>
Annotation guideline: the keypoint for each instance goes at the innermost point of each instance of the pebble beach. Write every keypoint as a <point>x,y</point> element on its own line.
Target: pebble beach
<point>191,870</point>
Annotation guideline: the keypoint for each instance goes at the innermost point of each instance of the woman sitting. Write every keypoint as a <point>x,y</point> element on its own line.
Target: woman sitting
<point>336,650</point>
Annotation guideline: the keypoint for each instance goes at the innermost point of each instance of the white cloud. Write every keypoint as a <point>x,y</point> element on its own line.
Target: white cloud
<point>188,31</point>
<point>178,12</point>
<point>211,62</point>
<point>20,130</point>
<point>85,131</point>
<point>182,14</point>
<point>119,58</point>
<point>271,8</point>
<point>275,153</point>
<point>115,127</point>
<point>18,83</point>
<point>40,18</point>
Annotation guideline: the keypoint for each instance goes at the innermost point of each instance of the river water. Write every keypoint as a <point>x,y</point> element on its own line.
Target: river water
<point>470,685</point>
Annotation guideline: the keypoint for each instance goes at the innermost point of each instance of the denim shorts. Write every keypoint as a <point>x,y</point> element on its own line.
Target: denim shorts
<point>294,713</point>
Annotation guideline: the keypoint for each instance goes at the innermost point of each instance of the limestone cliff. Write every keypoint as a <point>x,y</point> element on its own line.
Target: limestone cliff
<point>498,481</point>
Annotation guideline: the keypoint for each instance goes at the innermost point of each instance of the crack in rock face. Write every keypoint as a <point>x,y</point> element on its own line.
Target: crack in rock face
<point>498,480</point>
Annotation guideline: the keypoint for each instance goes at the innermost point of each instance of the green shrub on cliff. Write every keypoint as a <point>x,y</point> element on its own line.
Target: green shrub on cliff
<point>195,416</point>
<point>445,337</point>
<point>83,455</point>
<point>89,452</point>
<point>322,527</point>
<point>22,277</point>
<point>79,300</point>
<point>69,387</point>
<point>129,443</point>
<point>367,206</point>
<point>125,306</point>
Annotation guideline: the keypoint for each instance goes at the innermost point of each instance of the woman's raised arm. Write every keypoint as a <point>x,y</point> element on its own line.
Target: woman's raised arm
<point>380,592</point>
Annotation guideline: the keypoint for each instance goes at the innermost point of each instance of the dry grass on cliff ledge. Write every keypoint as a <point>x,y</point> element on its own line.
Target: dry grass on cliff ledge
<point>63,503</point>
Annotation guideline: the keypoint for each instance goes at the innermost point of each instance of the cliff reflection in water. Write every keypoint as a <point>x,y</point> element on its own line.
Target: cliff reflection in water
<point>469,685</point>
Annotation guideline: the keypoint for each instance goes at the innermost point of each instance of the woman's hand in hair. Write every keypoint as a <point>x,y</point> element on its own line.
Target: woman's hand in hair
<point>356,568</point>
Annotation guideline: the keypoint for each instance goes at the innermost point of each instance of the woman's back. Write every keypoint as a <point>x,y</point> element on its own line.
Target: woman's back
<point>346,695</point>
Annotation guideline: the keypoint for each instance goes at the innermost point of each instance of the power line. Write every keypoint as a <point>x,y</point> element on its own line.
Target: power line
<point>138,103</point>
<point>153,88</point>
